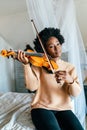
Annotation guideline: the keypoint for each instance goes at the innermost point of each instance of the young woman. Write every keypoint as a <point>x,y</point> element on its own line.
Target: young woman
<point>51,107</point>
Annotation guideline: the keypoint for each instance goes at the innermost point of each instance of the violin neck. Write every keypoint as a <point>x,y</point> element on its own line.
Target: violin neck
<point>31,53</point>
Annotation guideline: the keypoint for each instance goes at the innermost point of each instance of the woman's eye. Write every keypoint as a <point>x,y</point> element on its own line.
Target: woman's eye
<point>58,44</point>
<point>50,46</point>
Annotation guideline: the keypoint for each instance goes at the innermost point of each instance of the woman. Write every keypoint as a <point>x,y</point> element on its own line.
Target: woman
<point>51,108</point>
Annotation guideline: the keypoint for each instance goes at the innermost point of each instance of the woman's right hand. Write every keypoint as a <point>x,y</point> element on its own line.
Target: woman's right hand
<point>22,58</point>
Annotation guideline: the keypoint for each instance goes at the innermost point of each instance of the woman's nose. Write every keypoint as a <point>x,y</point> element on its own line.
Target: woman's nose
<point>56,47</point>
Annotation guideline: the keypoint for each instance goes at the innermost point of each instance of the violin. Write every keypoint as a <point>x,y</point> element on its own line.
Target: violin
<point>36,59</point>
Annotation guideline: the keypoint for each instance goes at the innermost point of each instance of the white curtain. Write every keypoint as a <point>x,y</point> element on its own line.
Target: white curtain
<point>61,14</point>
<point>7,78</point>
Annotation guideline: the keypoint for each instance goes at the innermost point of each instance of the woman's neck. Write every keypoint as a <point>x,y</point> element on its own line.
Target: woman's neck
<point>56,59</point>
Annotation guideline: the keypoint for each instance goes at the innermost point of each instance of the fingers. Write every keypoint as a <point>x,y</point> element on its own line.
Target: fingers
<point>20,55</point>
<point>60,75</point>
<point>22,58</point>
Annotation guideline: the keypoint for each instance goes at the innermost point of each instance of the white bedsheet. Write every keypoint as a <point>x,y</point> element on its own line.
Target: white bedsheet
<point>15,111</point>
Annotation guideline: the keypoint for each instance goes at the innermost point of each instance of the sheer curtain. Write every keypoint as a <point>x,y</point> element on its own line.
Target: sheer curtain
<point>61,14</point>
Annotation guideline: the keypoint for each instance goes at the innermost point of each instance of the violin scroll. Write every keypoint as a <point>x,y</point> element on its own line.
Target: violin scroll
<point>7,53</point>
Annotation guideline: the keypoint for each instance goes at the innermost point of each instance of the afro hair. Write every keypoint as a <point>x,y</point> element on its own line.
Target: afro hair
<point>44,35</point>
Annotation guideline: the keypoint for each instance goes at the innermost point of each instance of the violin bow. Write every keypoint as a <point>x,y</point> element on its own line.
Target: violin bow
<point>51,67</point>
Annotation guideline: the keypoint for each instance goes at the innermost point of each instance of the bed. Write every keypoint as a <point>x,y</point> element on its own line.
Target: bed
<point>15,111</point>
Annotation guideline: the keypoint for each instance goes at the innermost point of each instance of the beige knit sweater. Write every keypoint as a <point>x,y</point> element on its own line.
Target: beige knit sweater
<point>50,94</point>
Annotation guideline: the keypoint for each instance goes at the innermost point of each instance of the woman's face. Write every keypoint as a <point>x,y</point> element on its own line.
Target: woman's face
<point>53,47</point>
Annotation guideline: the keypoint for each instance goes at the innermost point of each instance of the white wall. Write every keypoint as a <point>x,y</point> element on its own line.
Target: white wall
<point>7,78</point>
<point>17,29</point>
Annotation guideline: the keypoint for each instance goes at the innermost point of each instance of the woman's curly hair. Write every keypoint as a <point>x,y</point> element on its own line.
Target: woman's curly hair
<point>45,34</point>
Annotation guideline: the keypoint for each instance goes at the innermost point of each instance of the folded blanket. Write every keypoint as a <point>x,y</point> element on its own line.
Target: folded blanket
<point>15,111</point>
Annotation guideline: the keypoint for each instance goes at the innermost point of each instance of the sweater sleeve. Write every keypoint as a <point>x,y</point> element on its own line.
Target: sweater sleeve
<point>31,75</point>
<point>74,88</point>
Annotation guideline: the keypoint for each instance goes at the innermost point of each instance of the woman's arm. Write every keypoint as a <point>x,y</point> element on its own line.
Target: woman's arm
<point>31,74</point>
<point>70,79</point>
<point>74,87</point>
